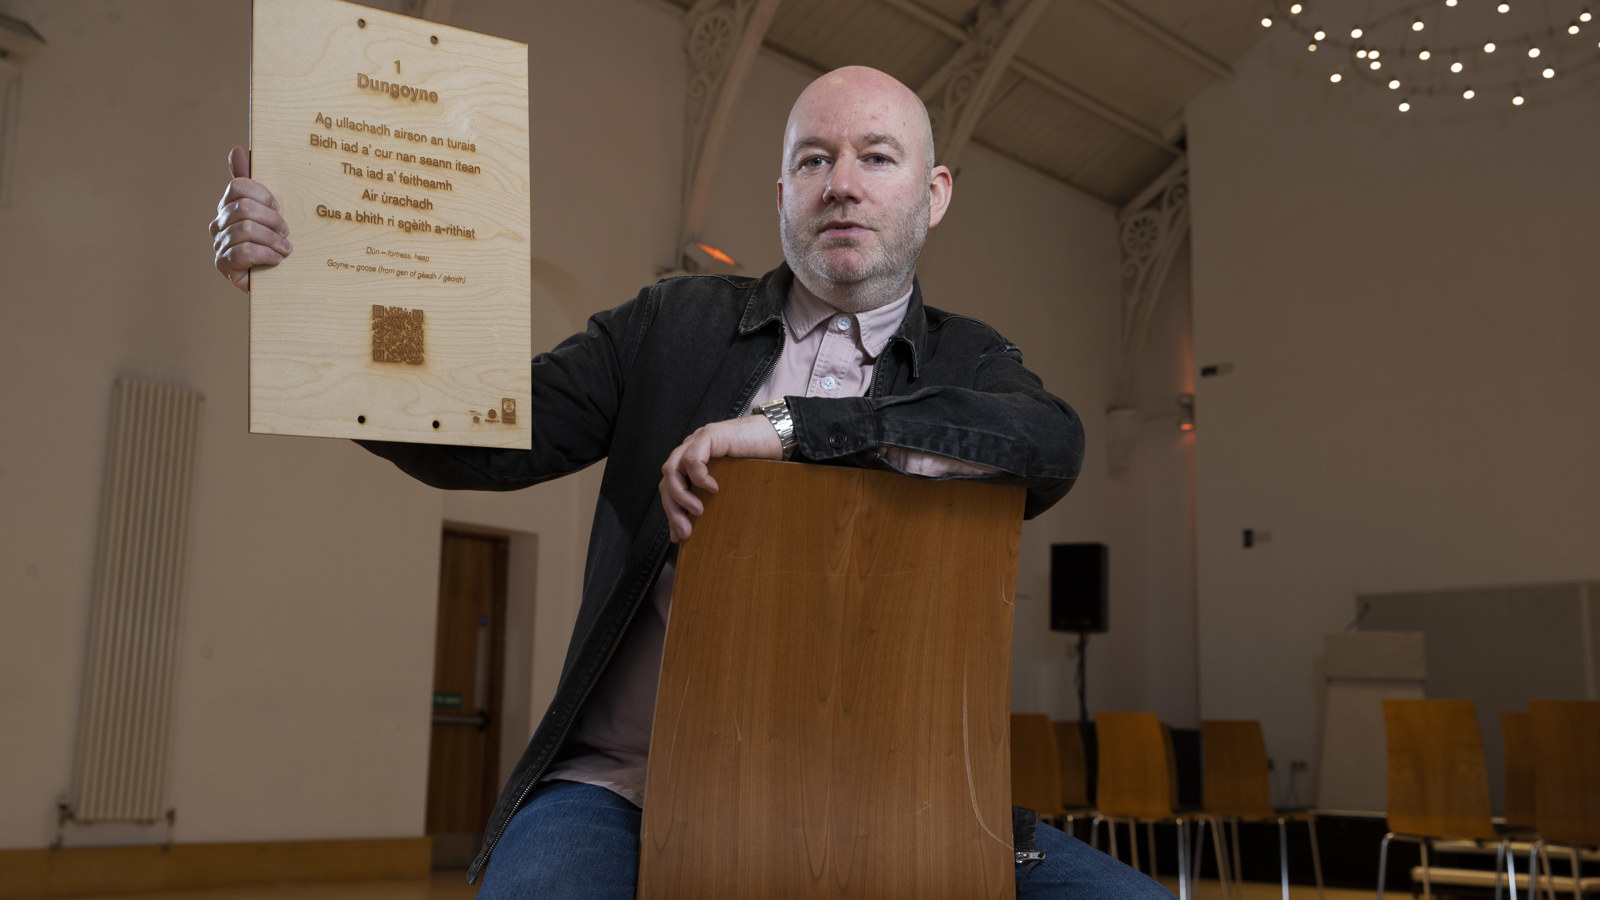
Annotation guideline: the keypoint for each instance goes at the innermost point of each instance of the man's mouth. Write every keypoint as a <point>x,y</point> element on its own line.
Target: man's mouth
<point>842,228</point>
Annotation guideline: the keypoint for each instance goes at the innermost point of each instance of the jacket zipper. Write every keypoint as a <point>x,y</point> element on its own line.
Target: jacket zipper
<point>638,601</point>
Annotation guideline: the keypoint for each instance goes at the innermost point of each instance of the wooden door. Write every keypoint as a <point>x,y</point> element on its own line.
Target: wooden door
<point>469,646</point>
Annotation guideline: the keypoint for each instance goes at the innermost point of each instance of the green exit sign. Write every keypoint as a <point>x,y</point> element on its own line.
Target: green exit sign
<point>446,700</point>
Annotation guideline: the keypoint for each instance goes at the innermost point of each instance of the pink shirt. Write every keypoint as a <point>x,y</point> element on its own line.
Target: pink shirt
<point>826,353</point>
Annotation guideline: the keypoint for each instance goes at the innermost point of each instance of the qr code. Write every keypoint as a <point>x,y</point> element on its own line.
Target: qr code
<point>397,335</point>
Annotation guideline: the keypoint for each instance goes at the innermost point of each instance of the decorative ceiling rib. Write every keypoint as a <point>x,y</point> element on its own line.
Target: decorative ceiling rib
<point>1088,92</point>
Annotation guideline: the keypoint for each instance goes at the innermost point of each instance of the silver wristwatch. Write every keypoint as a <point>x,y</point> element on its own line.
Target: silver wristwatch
<point>777,412</point>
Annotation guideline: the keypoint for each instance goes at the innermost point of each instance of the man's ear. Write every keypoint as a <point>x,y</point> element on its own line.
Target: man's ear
<point>780,195</point>
<point>940,186</point>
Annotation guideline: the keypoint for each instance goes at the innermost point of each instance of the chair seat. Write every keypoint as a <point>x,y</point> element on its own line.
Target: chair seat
<point>1519,846</point>
<point>1287,815</point>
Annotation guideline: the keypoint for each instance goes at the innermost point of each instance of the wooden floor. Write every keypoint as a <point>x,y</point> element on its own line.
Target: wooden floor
<point>453,886</point>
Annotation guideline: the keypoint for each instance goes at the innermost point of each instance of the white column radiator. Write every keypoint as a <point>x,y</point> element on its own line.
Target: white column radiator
<point>125,719</point>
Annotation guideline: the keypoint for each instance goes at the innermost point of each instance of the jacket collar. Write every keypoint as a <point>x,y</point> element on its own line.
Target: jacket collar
<point>764,306</point>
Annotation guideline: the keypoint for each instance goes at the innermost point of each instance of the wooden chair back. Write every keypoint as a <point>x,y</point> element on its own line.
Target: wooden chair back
<point>833,713</point>
<point>1074,765</point>
<point>1438,782</point>
<point>1516,732</point>
<point>1035,764</point>
<point>1135,766</point>
<point>1566,749</point>
<point>1237,781</point>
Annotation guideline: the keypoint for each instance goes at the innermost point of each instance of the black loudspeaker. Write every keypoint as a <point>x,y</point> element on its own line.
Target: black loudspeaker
<point>1078,587</point>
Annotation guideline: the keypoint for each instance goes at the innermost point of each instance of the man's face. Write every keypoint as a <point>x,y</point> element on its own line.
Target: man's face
<point>856,195</point>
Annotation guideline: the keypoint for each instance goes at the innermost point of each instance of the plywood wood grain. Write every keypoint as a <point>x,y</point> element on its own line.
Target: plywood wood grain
<point>833,707</point>
<point>398,151</point>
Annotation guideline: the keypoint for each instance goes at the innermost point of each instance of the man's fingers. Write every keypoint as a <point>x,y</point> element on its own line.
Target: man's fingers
<point>248,210</point>
<point>239,162</point>
<point>248,231</point>
<point>242,188</point>
<point>700,476</point>
<point>242,257</point>
<point>678,522</point>
<point>675,488</point>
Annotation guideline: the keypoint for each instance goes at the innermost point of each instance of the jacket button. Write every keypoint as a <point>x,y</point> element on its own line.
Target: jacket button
<point>836,441</point>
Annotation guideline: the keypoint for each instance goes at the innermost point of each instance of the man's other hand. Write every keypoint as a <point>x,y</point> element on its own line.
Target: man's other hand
<point>247,230</point>
<point>751,437</point>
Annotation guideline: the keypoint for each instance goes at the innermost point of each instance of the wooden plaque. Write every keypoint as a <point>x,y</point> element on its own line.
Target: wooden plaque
<point>398,151</point>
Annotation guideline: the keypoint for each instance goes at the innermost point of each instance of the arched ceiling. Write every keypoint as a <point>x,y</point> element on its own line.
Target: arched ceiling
<point>1088,92</point>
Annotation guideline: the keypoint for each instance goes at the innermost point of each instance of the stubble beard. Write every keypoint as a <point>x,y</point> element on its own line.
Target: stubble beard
<point>866,283</point>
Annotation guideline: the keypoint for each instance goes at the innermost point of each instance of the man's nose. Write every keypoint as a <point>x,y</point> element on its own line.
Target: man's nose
<point>844,184</point>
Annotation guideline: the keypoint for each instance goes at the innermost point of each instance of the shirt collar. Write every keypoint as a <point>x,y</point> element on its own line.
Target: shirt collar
<point>804,312</point>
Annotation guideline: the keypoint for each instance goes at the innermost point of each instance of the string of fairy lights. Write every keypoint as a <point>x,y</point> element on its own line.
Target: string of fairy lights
<point>1471,50</point>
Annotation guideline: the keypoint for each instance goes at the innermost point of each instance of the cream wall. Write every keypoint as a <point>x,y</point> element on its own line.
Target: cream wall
<point>1409,303</point>
<point>307,630</point>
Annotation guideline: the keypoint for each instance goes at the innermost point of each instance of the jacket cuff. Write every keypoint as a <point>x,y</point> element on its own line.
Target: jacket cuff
<point>829,428</point>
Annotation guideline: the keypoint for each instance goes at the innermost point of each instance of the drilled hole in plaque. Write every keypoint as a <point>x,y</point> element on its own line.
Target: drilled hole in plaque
<point>361,23</point>
<point>361,420</point>
<point>434,38</point>
<point>436,423</point>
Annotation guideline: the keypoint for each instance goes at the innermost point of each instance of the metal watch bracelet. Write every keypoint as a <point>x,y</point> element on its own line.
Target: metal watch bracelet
<point>777,412</point>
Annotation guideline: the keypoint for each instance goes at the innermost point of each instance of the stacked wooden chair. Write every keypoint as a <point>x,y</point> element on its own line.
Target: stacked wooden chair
<point>1566,759</point>
<point>1238,787</point>
<point>1438,784</point>
<point>1137,785</point>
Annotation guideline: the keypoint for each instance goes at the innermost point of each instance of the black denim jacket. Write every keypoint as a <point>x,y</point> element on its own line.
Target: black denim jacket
<point>693,350</point>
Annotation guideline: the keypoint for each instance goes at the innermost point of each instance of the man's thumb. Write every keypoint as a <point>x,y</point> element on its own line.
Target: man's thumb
<point>239,162</point>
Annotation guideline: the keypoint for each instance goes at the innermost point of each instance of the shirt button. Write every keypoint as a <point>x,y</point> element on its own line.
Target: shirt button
<point>842,323</point>
<point>828,383</point>
<point>836,441</point>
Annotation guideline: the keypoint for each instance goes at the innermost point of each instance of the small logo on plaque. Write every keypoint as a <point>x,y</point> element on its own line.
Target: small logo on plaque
<point>397,335</point>
<point>508,411</point>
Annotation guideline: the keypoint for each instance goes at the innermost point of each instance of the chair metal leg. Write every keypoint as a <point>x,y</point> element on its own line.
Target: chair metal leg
<point>1111,836</point>
<point>1238,867</point>
<point>1427,884</point>
<point>1133,843</point>
<point>1316,855</point>
<point>1502,853</point>
<point>1499,868</point>
<point>1222,865</point>
<point>1185,885</point>
<point>1577,874</point>
<point>1094,833</point>
<point>1533,871</point>
<point>1283,856</point>
<point>1199,846</point>
<point>1383,861</point>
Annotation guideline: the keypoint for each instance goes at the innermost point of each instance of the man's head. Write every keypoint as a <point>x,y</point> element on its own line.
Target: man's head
<point>858,190</point>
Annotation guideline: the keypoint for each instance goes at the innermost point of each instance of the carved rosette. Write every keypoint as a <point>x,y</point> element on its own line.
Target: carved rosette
<point>712,35</point>
<point>1150,235</point>
<point>710,39</point>
<point>1148,240</point>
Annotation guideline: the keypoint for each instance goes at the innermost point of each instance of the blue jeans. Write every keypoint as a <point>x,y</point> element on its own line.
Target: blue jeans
<point>581,842</point>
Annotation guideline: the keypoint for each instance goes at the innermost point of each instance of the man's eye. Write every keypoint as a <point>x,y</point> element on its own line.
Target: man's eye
<point>878,159</point>
<point>811,162</point>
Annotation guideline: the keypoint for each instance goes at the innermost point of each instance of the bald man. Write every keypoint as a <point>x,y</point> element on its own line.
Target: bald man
<point>830,358</point>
